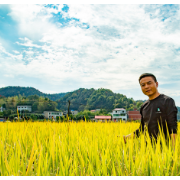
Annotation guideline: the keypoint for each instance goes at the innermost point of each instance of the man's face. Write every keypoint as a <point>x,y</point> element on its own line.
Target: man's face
<point>148,86</point>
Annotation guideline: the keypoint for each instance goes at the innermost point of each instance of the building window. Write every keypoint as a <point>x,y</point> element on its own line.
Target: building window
<point>55,113</point>
<point>116,114</point>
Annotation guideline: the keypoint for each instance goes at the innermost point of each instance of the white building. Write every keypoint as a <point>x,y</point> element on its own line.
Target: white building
<point>24,107</point>
<point>2,109</point>
<point>74,112</point>
<point>119,114</point>
<point>50,114</point>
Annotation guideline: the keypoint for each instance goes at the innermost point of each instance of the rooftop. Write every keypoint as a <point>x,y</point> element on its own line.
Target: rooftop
<point>24,105</point>
<point>102,117</point>
<point>54,111</point>
<point>117,109</point>
<point>133,112</point>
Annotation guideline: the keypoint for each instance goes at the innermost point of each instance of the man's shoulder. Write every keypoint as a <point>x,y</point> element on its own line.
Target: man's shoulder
<point>166,98</point>
<point>169,104</point>
<point>144,104</point>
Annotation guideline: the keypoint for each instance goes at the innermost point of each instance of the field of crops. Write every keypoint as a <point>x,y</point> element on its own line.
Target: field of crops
<point>81,149</point>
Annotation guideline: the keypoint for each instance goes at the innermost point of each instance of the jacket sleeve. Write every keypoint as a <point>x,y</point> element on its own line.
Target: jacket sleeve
<point>171,115</point>
<point>141,127</point>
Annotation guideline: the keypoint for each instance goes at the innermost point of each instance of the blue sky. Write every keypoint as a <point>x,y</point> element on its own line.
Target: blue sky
<point>60,48</point>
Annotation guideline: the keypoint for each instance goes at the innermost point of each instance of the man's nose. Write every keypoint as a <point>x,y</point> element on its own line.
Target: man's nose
<point>146,86</point>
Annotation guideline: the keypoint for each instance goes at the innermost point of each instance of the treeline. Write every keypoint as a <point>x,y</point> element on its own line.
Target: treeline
<point>80,100</point>
<point>27,91</point>
<point>38,103</point>
<point>88,99</point>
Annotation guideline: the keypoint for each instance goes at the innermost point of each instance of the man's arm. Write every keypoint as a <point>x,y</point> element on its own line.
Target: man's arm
<point>137,132</point>
<point>128,137</point>
<point>171,112</point>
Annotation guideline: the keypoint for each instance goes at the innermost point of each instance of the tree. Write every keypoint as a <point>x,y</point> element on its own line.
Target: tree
<point>6,113</point>
<point>4,105</point>
<point>138,105</point>
<point>35,106</point>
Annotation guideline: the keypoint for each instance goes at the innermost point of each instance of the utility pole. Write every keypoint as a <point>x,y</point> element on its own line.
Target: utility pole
<point>68,107</point>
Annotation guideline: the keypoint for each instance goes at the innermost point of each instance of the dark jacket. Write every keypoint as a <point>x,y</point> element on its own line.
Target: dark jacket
<point>161,109</point>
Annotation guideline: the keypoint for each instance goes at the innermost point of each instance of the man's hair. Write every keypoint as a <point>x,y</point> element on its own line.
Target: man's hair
<point>147,75</point>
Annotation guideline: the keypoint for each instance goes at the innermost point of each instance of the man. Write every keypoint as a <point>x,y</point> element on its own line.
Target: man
<point>159,108</point>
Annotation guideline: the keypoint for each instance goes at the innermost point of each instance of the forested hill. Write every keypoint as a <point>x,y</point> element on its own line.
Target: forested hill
<point>27,91</point>
<point>82,99</point>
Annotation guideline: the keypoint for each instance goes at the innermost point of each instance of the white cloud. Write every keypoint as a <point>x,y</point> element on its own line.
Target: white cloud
<point>32,19</point>
<point>15,51</point>
<point>122,42</point>
<point>27,42</point>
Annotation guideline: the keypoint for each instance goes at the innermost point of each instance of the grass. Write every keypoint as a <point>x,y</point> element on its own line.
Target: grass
<point>82,149</point>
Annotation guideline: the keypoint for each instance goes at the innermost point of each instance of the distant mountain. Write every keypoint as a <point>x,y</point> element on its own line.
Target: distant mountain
<point>80,99</point>
<point>27,91</point>
<point>83,99</point>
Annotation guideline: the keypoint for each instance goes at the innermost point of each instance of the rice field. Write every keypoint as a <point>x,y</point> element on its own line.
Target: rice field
<point>82,149</point>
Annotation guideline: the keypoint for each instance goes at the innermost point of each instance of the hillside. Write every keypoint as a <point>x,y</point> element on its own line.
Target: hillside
<point>27,91</point>
<point>82,99</point>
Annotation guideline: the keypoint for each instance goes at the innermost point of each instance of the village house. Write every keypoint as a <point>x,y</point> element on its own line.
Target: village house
<point>74,112</point>
<point>119,114</point>
<point>102,118</point>
<point>24,107</point>
<point>2,109</point>
<point>52,114</point>
<point>134,115</point>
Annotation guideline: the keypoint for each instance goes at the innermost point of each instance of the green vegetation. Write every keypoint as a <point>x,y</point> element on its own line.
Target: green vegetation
<point>89,115</point>
<point>81,100</point>
<point>87,99</point>
<point>27,91</point>
<point>39,104</point>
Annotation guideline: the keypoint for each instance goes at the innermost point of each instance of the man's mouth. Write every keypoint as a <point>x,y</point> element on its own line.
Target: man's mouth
<point>148,91</point>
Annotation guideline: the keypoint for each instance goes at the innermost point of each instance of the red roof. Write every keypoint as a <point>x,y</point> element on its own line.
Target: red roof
<point>133,112</point>
<point>102,117</point>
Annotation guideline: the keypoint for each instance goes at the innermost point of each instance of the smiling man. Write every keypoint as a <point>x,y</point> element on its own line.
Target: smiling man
<point>158,108</point>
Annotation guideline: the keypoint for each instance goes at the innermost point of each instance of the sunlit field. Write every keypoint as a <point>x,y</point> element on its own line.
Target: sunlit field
<point>82,149</point>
